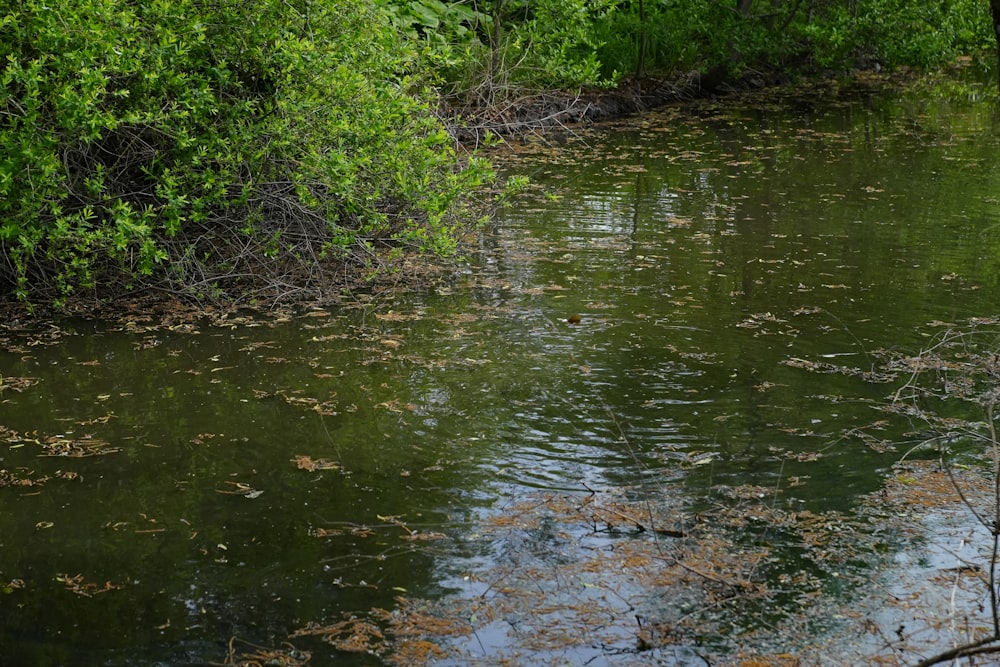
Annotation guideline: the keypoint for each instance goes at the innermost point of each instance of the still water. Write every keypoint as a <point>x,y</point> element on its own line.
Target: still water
<point>171,488</point>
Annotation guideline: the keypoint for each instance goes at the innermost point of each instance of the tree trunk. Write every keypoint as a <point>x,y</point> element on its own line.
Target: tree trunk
<point>640,68</point>
<point>492,83</point>
<point>995,12</point>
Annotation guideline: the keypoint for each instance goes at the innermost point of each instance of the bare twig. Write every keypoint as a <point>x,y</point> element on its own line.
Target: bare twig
<point>981,647</point>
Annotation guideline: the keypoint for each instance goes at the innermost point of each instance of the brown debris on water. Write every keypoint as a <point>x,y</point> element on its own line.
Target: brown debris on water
<point>609,578</point>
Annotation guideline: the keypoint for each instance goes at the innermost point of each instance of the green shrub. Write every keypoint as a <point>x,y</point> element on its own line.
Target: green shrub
<point>212,145</point>
<point>895,32</point>
<point>489,51</point>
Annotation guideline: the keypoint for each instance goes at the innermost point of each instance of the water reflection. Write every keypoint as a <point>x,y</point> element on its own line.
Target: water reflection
<point>704,252</point>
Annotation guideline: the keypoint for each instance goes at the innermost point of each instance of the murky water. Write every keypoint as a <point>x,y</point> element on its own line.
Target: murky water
<point>169,489</point>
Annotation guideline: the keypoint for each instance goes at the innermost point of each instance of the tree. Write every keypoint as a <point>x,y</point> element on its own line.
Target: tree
<point>995,15</point>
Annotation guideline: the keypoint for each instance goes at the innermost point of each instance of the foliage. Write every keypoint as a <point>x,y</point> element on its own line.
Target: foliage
<point>548,43</point>
<point>214,147</point>
<point>484,48</point>
<point>559,40</point>
<point>198,146</point>
<point>895,32</point>
<point>792,34</point>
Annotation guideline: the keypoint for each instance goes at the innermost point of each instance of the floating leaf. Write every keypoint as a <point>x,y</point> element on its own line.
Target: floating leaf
<point>78,586</point>
<point>17,383</point>
<point>12,585</point>
<point>303,462</point>
<point>61,446</point>
<point>241,489</point>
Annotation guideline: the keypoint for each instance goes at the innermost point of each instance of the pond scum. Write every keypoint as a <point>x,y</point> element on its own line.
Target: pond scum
<point>605,578</point>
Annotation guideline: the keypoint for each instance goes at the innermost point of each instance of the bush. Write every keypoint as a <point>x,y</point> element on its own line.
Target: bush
<point>544,44</point>
<point>212,146</point>
<point>897,32</point>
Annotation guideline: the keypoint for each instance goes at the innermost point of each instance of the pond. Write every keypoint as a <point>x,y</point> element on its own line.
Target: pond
<point>620,385</point>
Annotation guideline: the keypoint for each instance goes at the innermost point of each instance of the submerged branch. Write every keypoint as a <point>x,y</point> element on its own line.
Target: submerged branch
<point>981,647</point>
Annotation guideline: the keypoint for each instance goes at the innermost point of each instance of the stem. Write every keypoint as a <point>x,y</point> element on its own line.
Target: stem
<point>995,528</point>
<point>975,648</point>
<point>995,14</point>
<point>640,68</point>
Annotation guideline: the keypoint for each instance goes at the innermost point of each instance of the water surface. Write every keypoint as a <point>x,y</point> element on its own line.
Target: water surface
<point>171,488</point>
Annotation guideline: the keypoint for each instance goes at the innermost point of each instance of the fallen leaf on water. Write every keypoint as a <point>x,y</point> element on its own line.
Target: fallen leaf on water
<point>60,446</point>
<point>702,458</point>
<point>16,383</point>
<point>303,462</point>
<point>241,489</point>
<point>258,655</point>
<point>76,584</point>
<point>11,586</point>
<point>395,405</point>
<point>393,316</point>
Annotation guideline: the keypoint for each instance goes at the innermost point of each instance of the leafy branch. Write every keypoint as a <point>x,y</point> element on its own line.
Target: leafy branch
<point>216,149</point>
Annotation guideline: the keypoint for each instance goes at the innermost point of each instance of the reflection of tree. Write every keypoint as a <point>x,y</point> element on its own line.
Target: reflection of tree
<point>198,419</point>
<point>949,391</point>
<point>735,241</point>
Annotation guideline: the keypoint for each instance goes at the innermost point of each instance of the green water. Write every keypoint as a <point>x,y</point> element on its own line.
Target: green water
<point>704,249</point>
